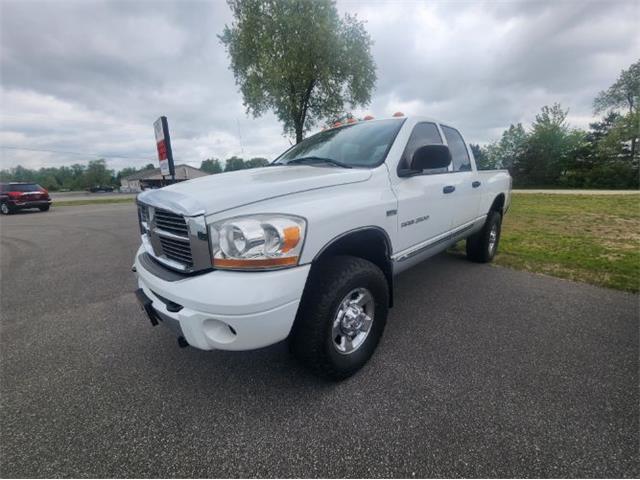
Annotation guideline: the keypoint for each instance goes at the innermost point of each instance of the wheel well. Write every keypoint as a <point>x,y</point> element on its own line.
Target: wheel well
<point>498,204</point>
<point>370,243</point>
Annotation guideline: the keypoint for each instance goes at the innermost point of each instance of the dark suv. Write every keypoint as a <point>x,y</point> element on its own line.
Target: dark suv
<point>17,196</point>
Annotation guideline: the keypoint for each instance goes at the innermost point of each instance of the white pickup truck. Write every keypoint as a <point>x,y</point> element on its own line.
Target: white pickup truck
<point>307,248</point>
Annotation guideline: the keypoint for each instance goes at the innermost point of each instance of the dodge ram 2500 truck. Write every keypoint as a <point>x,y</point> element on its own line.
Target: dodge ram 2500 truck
<point>307,248</point>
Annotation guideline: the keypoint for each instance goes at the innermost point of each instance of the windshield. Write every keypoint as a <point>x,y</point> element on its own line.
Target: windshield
<point>363,144</point>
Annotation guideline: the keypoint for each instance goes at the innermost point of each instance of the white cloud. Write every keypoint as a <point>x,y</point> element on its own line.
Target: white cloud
<point>93,76</point>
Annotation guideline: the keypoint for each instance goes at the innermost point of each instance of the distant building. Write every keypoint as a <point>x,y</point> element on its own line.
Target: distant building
<point>153,179</point>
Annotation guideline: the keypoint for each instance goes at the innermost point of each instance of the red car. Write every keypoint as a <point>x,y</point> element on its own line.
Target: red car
<point>18,196</point>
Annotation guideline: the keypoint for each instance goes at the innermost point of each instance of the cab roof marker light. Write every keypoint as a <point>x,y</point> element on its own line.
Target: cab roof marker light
<point>398,114</point>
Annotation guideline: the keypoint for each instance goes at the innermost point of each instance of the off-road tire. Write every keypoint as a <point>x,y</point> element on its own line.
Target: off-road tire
<point>479,248</point>
<point>311,339</point>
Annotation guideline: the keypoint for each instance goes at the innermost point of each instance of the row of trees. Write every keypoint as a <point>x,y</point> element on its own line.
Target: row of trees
<point>214,165</point>
<point>74,177</point>
<point>552,153</point>
<point>95,172</point>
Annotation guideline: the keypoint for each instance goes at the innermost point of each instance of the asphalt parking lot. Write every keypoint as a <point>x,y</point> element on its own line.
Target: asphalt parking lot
<point>482,372</point>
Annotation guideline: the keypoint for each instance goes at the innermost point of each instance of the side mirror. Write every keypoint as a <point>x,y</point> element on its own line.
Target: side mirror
<point>427,157</point>
<point>430,157</point>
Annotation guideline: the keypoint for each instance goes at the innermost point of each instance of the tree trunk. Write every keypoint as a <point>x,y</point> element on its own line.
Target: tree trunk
<point>302,117</point>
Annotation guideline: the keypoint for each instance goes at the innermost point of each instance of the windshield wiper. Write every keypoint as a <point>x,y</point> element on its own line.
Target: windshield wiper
<point>319,160</point>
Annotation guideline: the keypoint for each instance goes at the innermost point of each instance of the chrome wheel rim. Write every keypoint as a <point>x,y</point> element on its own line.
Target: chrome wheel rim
<point>5,209</point>
<point>493,238</point>
<point>353,320</point>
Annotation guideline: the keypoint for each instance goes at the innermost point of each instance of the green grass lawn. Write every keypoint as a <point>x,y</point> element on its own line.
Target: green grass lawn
<point>588,238</point>
<point>91,201</point>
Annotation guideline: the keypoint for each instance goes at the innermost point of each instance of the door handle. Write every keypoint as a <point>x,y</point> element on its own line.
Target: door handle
<point>448,189</point>
<point>476,184</point>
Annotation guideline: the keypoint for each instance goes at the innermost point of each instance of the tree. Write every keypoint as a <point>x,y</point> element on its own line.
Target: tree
<point>77,176</point>
<point>603,160</point>
<point>550,148</point>
<point>509,150</point>
<point>234,163</point>
<point>21,174</point>
<point>480,155</point>
<point>298,58</point>
<point>624,94</point>
<point>211,165</point>
<point>97,174</point>
<point>49,182</point>
<point>256,162</point>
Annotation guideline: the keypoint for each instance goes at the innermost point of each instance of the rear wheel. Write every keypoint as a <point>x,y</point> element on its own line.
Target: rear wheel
<point>483,245</point>
<point>5,209</point>
<point>45,208</point>
<point>341,317</point>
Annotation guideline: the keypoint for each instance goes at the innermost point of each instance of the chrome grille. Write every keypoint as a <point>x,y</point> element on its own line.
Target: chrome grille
<point>177,241</point>
<point>171,222</point>
<point>178,250</point>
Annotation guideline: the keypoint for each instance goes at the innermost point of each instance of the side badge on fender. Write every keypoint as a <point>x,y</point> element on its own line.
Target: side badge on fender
<point>414,221</point>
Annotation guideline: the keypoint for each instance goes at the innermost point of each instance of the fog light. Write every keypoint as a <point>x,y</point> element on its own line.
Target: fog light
<point>218,331</point>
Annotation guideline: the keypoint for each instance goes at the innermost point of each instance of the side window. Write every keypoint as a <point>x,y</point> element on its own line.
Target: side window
<point>425,133</point>
<point>459,154</point>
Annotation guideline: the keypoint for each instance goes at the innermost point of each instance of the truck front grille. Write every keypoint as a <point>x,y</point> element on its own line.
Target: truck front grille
<point>171,222</point>
<point>177,250</point>
<point>167,238</point>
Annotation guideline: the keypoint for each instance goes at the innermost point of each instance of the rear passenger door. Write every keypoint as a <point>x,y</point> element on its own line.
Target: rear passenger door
<point>465,196</point>
<point>424,209</point>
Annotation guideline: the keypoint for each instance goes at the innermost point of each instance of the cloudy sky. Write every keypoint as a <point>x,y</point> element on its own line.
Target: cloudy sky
<point>87,79</point>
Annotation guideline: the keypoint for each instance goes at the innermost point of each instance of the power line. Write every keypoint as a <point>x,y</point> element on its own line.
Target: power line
<point>64,152</point>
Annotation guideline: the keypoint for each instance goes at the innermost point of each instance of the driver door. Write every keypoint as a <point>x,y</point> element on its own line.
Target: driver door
<point>424,206</point>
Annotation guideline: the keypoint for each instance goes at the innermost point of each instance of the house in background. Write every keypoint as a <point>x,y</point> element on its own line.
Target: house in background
<point>153,179</point>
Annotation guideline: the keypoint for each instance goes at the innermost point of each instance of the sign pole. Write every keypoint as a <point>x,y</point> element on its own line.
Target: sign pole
<point>163,144</point>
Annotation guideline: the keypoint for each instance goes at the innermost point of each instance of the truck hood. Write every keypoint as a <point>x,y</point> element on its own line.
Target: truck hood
<point>223,191</point>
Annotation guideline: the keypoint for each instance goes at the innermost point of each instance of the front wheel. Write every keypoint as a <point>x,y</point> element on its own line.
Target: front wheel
<point>341,317</point>
<point>45,208</point>
<point>5,209</point>
<point>483,245</point>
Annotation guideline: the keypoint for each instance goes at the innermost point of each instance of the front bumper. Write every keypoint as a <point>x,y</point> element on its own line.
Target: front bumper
<point>16,204</point>
<point>227,310</point>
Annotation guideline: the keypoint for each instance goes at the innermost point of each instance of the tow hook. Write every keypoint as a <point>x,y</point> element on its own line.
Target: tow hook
<point>182,342</point>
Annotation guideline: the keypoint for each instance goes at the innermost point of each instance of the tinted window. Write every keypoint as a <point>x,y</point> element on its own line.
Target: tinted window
<point>22,187</point>
<point>422,134</point>
<point>459,154</point>
<point>363,144</point>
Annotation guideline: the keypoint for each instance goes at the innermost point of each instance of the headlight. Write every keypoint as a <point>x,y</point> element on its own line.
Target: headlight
<point>257,241</point>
